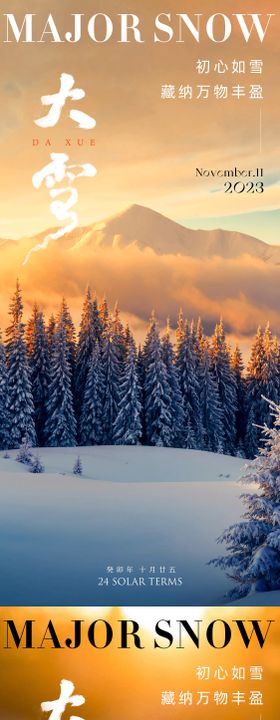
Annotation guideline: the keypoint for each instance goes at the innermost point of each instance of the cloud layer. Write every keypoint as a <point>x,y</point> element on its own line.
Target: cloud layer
<point>244,290</point>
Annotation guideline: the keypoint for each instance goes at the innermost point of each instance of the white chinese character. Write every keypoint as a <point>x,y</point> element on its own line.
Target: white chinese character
<point>220,92</point>
<point>221,698</point>
<point>238,673</point>
<point>238,91</point>
<point>185,698</point>
<point>256,697</point>
<point>238,697</point>
<point>203,672</point>
<point>168,92</point>
<point>57,170</point>
<point>168,698</point>
<point>221,673</point>
<point>256,67</point>
<point>203,92</point>
<point>57,102</point>
<point>238,67</point>
<point>52,173</point>
<point>256,672</point>
<point>57,707</point>
<point>109,569</point>
<point>221,67</point>
<point>60,209</point>
<point>203,698</point>
<point>203,67</point>
<point>185,92</point>
<point>256,92</point>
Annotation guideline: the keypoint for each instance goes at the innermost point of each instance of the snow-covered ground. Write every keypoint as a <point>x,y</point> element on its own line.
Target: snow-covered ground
<point>132,507</point>
<point>260,599</point>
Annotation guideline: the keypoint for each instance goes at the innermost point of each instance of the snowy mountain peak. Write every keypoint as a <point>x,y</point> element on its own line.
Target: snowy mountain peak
<point>147,229</point>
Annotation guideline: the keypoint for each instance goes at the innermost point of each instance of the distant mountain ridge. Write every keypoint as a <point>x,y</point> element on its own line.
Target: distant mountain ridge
<point>145,260</point>
<point>143,228</point>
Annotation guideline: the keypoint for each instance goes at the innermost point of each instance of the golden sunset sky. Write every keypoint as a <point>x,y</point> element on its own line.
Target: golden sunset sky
<point>146,153</point>
<point>147,148</point>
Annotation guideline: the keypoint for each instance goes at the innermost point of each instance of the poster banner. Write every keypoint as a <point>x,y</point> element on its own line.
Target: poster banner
<point>139,360</point>
<point>133,662</point>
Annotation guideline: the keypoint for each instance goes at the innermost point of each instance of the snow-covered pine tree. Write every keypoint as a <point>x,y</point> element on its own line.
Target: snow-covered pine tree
<point>128,340</point>
<point>200,345</point>
<point>211,410</point>
<point>118,333</point>
<point>252,437</point>
<point>270,383</point>
<point>180,333</point>
<point>197,345</point>
<point>36,466</point>
<point>189,384</point>
<point>178,354</point>
<point>253,396</point>
<point>85,348</point>
<point>78,468</point>
<point>141,379</point>
<point>24,455</point>
<point>158,420</point>
<point>226,383</point>
<point>29,330</point>
<point>262,378</point>
<point>104,315</point>
<point>175,395</point>
<point>19,397</point>
<point>237,367</point>
<point>97,323</point>
<point>51,327</point>
<point>127,426</point>
<point>16,313</point>
<point>65,318</point>
<point>140,366</point>
<point>4,416</point>
<point>200,340</point>
<point>39,361</point>
<point>90,428</point>
<point>276,353</point>
<point>220,449</point>
<point>111,371</point>
<point>253,545</point>
<point>60,428</point>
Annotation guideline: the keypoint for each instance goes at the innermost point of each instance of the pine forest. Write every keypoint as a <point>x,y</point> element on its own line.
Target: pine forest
<point>99,388</point>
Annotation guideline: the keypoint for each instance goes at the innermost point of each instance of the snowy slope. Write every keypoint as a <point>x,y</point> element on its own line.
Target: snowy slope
<point>132,506</point>
<point>260,599</point>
